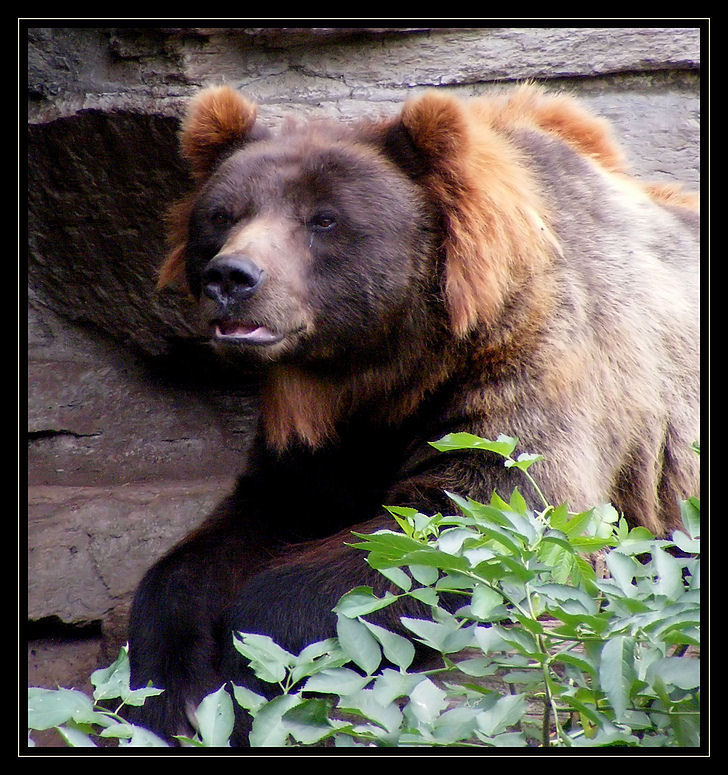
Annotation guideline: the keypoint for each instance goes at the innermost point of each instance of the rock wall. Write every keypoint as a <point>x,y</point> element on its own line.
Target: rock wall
<point>134,432</point>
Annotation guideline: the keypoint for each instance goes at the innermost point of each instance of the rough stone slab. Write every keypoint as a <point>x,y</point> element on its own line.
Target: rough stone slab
<point>73,660</point>
<point>113,69</point>
<point>483,55</point>
<point>90,546</point>
<point>98,415</point>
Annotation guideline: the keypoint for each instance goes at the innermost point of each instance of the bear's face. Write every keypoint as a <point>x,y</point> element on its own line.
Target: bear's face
<point>338,242</point>
<point>307,245</point>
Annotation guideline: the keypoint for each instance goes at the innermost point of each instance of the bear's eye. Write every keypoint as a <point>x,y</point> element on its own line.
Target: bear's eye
<point>220,217</point>
<point>323,221</point>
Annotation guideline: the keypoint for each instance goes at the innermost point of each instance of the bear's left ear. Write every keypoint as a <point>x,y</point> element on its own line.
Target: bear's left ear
<point>217,120</point>
<point>492,217</point>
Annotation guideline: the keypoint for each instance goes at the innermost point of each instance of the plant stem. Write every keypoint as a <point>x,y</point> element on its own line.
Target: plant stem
<point>533,484</point>
<point>549,704</point>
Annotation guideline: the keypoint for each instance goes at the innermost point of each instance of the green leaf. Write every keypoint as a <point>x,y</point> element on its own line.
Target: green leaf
<point>48,708</point>
<point>322,655</point>
<point>215,719</point>
<point>392,684</point>
<point>498,503</point>
<point>559,559</point>
<point>489,639</point>
<point>503,446</point>
<point>669,575</point>
<point>387,543</point>
<point>524,461</point>
<point>505,740</point>
<point>308,721</point>
<point>558,517</point>
<point>75,738</point>
<point>358,643</point>
<point>112,681</point>
<point>481,512</point>
<point>137,697</point>
<point>398,650</point>
<point>578,661</point>
<point>623,569</point>
<point>571,599</point>
<point>579,625</point>
<point>604,516</point>
<point>248,699</point>
<point>622,530</point>
<point>576,525</point>
<point>617,672</point>
<point>267,659</point>
<point>559,539</point>
<point>506,538</point>
<point>683,672</point>
<point>454,725</point>
<point>451,541</point>
<point>517,502</point>
<point>685,543</point>
<point>362,601</point>
<point>425,595</point>
<point>143,738</point>
<point>670,624</point>
<point>398,577</point>
<point>136,737</point>
<point>387,716</point>
<point>521,640</point>
<point>427,701</point>
<point>690,513</point>
<point>340,680</point>
<point>445,637</point>
<point>268,729</point>
<point>435,559</point>
<point>528,623</point>
<point>484,601</point>
<point>525,526</point>
<point>517,568</point>
<point>477,666</point>
<point>424,574</point>
<point>403,517</point>
<point>505,713</point>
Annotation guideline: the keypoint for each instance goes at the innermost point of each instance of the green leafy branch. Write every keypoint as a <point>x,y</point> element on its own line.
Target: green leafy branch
<point>544,650</point>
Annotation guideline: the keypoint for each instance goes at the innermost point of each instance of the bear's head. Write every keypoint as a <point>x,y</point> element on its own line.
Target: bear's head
<point>323,240</point>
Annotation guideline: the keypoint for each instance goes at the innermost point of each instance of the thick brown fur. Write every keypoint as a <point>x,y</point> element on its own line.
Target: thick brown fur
<point>488,266</point>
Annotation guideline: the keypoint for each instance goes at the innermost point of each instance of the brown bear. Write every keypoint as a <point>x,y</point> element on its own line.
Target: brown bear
<point>485,266</point>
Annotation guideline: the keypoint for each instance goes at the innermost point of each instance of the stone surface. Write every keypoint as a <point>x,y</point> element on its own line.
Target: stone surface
<point>134,430</point>
<point>98,540</point>
<point>100,414</point>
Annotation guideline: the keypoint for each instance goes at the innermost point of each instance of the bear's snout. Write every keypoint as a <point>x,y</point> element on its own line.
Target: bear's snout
<point>230,278</point>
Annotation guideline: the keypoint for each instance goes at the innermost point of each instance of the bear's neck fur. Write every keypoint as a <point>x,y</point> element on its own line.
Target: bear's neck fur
<point>300,404</point>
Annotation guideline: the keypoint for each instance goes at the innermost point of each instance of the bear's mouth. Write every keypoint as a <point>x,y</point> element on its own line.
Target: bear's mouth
<point>244,331</point>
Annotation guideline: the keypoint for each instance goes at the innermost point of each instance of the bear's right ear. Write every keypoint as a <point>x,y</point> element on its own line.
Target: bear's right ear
<point>217,120</point>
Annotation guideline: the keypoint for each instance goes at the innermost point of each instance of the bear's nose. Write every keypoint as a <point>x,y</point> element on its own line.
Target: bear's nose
<point>231,277</point>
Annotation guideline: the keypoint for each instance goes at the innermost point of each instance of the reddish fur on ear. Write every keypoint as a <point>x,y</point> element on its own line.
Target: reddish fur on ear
<point>172,271</point>
<point>493,217</point>
<point>218,118</point>
<point>437,125</point>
